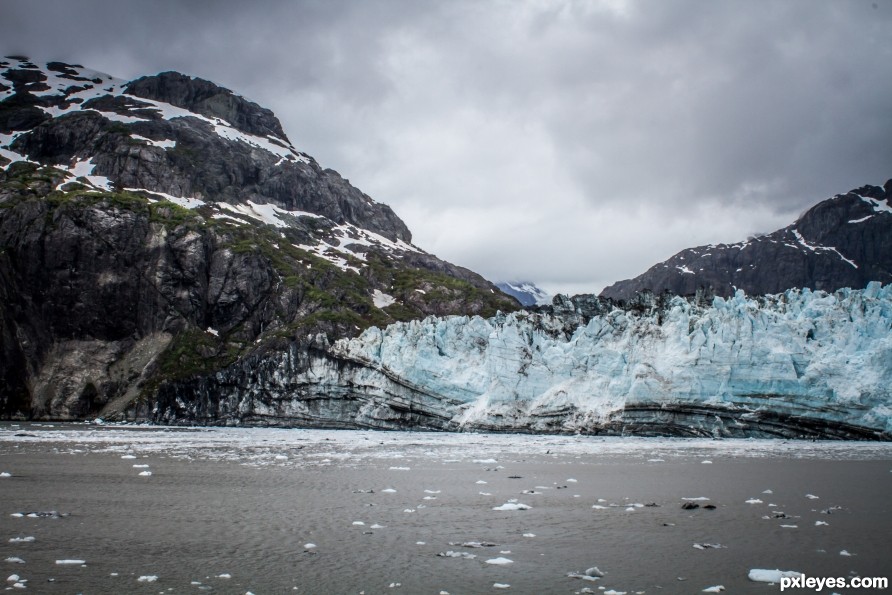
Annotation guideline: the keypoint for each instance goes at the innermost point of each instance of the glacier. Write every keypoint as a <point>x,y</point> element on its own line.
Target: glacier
<point>797,364</point>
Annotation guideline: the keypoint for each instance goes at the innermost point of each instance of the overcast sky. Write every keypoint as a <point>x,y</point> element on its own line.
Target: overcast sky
<point>569,143</point>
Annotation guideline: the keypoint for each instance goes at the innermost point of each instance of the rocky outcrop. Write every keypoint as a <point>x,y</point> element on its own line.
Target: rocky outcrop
<point>845,241</point>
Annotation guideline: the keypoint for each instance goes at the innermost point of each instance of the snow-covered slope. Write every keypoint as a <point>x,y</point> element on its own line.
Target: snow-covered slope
<point>793,364</point>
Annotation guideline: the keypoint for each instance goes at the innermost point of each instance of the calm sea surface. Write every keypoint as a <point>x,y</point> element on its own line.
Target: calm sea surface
<point>318,512</point>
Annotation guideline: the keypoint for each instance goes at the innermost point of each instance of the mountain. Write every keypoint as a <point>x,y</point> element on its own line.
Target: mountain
<point>165,229</point>
<point>525,292</point>
<point>796,364</point>
<point>844,241</point>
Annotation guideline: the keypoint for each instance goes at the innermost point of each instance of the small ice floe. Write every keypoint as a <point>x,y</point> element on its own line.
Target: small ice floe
<point>599,507</point>
<point>453,554</point>
<point>358,523</point>
<point>310,546</point>
<point>148,578</point>
<point>28,539</point>
<point>715,589</point>
<point>709,546</point>
<point>409,510</point>
<point>128,457</point>
<point>377,526</point>
<point>529,534</point>
<point>571,480</point>
<point>420,543</point>
<point>762,575</point>
<point>474,544</point>
<point>789,526</point>
<point>485,461</point>
<point>512,505</point>
<point>140,466</point>
<point>15,560</point>
<point>697,499</point>
<point>224,575</point>
<point>706,462</point>
<point>767,492</point>
<point>395,585</point>
<point>480,482</point>
<point>398,468</point>
<point>656,461</point>
<point>429,498</point>
<point>388,491</point>
<point>501,586</point>
<point>811,496</point>
<point>485,493</point>
<point>845,553</point>
<point>5,474</point>
<point>500,561</point>
<point>613,592</point>
<point>821,524</point>
<point>145,473</point>
<point>431,491</point>
<point>754,501</point>
<point>48,514</point>
<point>281,457</point>
<point>71,562</point>
<point>831,509</point>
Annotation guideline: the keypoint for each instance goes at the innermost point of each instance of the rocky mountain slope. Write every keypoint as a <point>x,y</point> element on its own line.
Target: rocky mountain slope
<point>164,229</point>
<point>844,241</point>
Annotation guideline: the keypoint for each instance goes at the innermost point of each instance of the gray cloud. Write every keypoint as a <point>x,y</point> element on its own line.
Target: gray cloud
<point>571,143</point>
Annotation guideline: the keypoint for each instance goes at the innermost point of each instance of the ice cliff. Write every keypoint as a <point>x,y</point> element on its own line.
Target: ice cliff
<point>794,364</point>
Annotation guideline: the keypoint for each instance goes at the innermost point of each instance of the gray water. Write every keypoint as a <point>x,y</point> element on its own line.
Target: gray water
<point>244,504</point>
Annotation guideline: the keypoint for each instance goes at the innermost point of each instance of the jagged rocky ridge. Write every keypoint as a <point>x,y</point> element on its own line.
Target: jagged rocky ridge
<point>796,364</point>
<point>844,241</point>
<point>165,228</point>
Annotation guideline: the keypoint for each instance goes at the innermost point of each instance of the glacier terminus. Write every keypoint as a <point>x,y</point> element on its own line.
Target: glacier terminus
<point>796,364</point>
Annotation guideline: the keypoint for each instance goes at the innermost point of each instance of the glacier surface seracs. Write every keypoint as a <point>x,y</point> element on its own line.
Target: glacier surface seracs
<point>796,364</point>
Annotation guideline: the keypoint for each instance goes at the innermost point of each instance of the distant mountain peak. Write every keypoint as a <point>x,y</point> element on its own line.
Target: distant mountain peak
<point>526,292</point>
<point>844,241</point>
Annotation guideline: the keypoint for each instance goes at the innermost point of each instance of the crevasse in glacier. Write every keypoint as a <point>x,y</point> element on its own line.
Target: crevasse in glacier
<point>793,364</point>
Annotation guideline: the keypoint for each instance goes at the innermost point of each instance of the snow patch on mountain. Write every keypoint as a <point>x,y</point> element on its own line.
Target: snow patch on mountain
<point>526,292</point>
<point>78,85</point>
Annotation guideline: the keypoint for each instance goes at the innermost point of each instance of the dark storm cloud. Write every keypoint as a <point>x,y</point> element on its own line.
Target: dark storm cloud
<point>574,143</point>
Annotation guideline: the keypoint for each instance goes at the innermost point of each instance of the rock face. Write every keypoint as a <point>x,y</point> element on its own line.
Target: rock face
<point>845,241</point>
<point>796,364</point>
<point>165,229</point>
